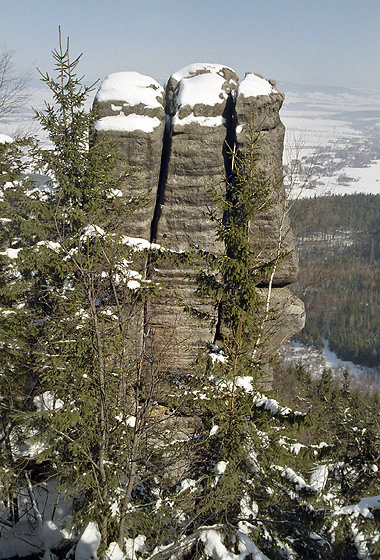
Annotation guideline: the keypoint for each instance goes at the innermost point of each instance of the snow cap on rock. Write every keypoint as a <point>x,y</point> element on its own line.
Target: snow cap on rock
<point>198,93</point>
<point>254,85</point>
<point>135,102</point>
<point>202,83</point>
<point>131,88</point>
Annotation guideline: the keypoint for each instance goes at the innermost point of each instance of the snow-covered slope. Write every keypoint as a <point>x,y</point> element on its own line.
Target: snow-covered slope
<point>341,126</point>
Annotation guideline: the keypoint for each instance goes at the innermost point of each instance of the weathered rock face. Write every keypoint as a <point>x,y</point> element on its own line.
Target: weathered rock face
<point>199,106</point>
<point>206,113</point>
<point>258,103</point>
<point>200,103</point>
<point>131,110</point>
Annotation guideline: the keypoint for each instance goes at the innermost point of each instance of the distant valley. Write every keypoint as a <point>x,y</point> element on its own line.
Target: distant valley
<point>333,138</point>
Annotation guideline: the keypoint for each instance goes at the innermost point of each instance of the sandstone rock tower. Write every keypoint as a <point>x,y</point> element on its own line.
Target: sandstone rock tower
<point>178,140</point>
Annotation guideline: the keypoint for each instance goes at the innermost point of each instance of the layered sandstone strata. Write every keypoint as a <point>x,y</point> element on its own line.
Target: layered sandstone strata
<point>208,115</point>
<point>131,111</point>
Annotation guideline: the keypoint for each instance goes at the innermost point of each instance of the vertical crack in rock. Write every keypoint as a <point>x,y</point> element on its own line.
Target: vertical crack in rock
<point>179,153</point>
<point>165,157</point>
<point>199,104</point>
<point>131,112</point>
<point>229,116</point>
<point>229,144</point>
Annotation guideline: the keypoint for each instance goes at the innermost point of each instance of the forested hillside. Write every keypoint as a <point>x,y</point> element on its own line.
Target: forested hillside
<point>338,238</point>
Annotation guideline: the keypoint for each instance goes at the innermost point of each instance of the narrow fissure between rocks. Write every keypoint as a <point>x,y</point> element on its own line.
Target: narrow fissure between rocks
<point>229,114</point>
<point>165,157</point>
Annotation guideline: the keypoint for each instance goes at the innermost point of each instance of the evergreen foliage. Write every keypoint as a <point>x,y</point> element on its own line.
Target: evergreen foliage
<point>77,304</point>
<point>231,280</point>
<point>339,278</point>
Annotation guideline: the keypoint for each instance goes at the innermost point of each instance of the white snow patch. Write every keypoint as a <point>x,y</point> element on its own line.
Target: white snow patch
<point>132,88</point>
<point>213,430</point>
<point>202,121</point>
<point>245,382</point>
<point>133,284</point>
<point>7,312</point>
<point>5,139</point>
<point>135,545</point>
<point>88,543</point>
<point>274,407</point>
<point>36,532</point>
<point>114,552</point>
<point>253,85</point>
<point>249,510</point>
<point>127,123</point>
<point>185,484</point>
<point>218,355</point>
<point>214,547</point>
<point>363,508</point>
<point>296,447</point>
<point>11,253</point>
<point>220,467</point>
<point>130,421</point>
<point>115,193</point>
<point>318,478</point>
<point>92,231</point>
<point>293,477</point>
<point>138,243</point>
<point>188,71</point>
<point>47,401</point>
<point>269,404</point>
<point>53,245</point>
<point>205,89</point>
<point>20,541</point>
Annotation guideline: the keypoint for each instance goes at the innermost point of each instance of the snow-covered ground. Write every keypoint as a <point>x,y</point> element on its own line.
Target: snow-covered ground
<point>336,131</point>
<point>315,361</point>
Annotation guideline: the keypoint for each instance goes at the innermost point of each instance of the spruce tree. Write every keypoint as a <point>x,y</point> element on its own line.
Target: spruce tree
<point>231,280</point>
<point>78,295</point>
<point>21,210</point>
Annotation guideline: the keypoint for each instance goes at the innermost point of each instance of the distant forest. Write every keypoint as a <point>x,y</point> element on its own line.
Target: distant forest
<point>338,240</point>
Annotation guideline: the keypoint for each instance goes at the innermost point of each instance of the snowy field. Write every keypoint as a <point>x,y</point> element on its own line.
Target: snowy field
<point>315,361</point>
<point>341,128</point>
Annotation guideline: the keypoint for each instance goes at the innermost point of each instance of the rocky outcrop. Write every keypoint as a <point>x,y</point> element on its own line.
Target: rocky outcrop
<point>200,107</point>
<point>258,104</point>
<point>207,114</point>
<point>131,110</point>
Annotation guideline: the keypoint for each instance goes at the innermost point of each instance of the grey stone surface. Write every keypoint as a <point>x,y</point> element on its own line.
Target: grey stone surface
<point>197,159</point>
<point>177,169</point>
<point>271,232</point>
<point>197,153</point>
<point>129,94</point>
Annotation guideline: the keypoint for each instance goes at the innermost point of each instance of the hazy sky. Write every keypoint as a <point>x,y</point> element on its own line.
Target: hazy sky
<point>323,42</point>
